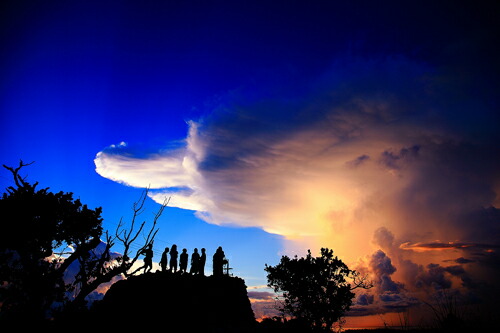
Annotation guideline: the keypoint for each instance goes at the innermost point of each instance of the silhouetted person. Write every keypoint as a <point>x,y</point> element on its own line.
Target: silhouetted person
<point>183,261</point>
<point>164,260</point>
<point>173,258</point>
<point>148,258</point>
<point>218,262</point>
<point>201,263</point>
<point>195,262</point>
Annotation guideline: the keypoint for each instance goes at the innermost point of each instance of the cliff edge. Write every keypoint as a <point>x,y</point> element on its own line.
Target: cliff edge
<point>178,303</point>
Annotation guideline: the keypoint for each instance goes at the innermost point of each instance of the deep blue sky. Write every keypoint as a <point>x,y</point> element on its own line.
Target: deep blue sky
<point>79,76</point>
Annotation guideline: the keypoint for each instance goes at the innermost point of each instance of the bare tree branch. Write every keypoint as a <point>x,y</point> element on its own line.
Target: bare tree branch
<point>103,268</point>
<point>361,281</point>
<point>20,181</point>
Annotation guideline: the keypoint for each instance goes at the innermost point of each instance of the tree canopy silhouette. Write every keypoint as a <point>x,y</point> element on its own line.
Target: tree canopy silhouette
<point>43,234</point>
<point>315,289</point>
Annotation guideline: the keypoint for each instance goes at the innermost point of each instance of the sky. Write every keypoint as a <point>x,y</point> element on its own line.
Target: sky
<point>370,128</point>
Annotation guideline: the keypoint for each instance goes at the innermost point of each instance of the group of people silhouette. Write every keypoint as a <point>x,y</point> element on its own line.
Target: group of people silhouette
<point>197,261</point>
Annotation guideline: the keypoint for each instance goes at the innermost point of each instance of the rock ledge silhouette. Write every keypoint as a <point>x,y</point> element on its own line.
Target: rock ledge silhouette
<point>177,302</point>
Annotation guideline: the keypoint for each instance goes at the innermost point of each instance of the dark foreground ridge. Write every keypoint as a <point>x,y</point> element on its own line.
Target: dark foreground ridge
<point>177,303</point>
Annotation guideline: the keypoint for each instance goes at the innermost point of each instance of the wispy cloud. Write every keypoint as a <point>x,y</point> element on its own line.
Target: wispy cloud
<point>261,295</point>
<point>437,246</point>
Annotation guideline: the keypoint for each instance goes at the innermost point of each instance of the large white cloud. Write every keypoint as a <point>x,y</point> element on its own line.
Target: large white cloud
<point>380,148</point>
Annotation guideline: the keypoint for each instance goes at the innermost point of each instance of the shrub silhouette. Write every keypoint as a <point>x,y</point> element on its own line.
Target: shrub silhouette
<point>315,289</point>
<point>34,224</point>
<point>38,230</point>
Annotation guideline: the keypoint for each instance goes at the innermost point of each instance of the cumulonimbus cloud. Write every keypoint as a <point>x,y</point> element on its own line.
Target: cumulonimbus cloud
<point>380,148</point>
<point>350,156</point>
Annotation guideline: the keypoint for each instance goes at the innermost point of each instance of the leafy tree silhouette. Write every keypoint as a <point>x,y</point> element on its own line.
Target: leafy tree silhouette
<point>315,289</point>
<point>38,229</point>
<point>35,222</point>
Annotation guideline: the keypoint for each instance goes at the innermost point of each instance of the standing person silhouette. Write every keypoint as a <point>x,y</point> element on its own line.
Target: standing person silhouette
<point>173,258</point>
<point>195,262</point>
<point>164,260</point>
<point>184,261</point>
<point>218,262</point>
<point>203,259</point>
<point>148,258</point>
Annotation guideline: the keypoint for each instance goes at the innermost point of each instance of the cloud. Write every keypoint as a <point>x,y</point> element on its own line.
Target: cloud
<point>395,160</point>
<point>157,171</point>
<point>261,295</point>
<point>365,299</point>
<point>387,295</point>
<point>265,309</point>
<point>381,266</point>
<point>436,246</point>
<point>358,161</point>
<point>434,277</point>
<point>375,147</point>
<point>405,279</point>
<point>271,163</point>
<point>461,260</point>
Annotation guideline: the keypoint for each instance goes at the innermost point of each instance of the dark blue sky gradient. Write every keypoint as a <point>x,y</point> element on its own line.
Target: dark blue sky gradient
<point>78,76</point>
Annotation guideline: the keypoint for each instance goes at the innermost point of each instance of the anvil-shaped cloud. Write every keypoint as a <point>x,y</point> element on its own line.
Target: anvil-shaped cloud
<point>372,144</point>
<point>377,147</point>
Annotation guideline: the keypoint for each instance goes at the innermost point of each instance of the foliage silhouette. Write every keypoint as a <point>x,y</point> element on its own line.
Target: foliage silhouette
<point>315,289</point>
<point>34,224</point>
<point>43,234</point>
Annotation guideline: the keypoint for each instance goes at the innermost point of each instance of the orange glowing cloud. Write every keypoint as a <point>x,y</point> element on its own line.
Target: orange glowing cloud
<point>438,246</point>
<point>332,168</point>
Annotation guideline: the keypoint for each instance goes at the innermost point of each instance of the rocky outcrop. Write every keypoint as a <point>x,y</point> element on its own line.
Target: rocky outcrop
<point>177,303</point>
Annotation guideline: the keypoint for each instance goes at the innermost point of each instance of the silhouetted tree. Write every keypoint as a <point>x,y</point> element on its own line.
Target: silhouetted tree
<point>99,269</point>
<point>38,230</point>
<point>315,289</point>
<point>34,224</point>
